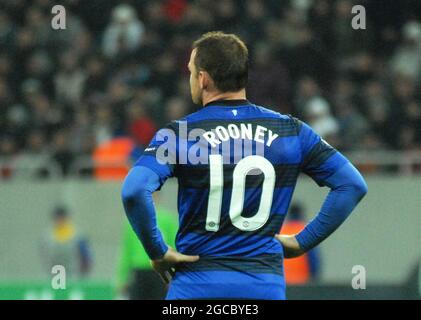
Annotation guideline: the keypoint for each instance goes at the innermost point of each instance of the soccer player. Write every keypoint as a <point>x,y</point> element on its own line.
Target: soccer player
<point>237,165</point>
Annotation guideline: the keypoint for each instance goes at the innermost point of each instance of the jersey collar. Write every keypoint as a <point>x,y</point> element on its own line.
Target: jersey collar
<point>228,103</point>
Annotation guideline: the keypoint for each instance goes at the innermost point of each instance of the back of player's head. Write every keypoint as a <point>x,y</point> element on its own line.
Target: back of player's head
<point>60,212</point>
<point>225,58</point>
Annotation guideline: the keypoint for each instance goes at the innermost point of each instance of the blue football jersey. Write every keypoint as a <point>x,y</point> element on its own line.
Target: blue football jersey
<point>237,165</point>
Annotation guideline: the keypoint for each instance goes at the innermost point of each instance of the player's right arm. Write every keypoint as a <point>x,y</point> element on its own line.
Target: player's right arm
<point>147,176</point>
<point>327,167</point>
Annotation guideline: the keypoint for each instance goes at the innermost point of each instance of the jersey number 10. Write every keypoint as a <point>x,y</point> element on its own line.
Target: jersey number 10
<point>241,170</point>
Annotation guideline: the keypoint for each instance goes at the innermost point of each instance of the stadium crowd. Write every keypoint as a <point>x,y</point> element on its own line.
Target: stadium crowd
<point>119,69</point>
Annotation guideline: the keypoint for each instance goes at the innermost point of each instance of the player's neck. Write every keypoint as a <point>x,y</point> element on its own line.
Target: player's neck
<point>210,97</point>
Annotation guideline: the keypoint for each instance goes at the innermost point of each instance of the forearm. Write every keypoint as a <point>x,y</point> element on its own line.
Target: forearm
<point>137,191</point>
<point>347,189</point>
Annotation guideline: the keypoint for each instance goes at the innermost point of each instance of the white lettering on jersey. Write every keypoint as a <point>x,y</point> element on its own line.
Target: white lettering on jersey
<point>243,131</point>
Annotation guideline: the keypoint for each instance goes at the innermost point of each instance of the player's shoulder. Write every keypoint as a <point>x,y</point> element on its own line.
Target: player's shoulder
<point>194,116</point>
<point>177,124</point>
<point>270,113</point>
<point>191,117</point>
<point>283,117</point>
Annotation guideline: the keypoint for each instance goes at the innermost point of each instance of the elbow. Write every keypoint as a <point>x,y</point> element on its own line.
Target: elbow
<point>138,186</point>
<point>130,192</point>
<point>126,194</point>
<point>360,188</point>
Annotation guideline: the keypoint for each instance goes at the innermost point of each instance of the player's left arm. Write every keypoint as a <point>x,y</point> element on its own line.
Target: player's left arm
<point>327,167</point>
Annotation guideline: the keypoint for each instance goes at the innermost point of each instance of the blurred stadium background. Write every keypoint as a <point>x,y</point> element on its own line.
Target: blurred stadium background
<point>77,106</point>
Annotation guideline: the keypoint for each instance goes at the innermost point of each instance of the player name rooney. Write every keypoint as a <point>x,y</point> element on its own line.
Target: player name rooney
<point>240,131</point>
<point>185,146</point>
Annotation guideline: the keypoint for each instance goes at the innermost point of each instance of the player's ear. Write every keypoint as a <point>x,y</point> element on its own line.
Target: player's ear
<point>204,79</point>
<point>201,79</point>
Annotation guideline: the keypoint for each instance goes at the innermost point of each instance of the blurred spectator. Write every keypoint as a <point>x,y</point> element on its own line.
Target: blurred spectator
<point>142,128</point>
<point>320,19</point>
<point>352,126</point>
<point>226,15</point>
<point>103,126</point>
<point>305,268</point>
<point>318,115</point>
<point>378,111</point>
<point>64,245</point>
<point>7,28</point>
<point>82,134</point>
<point>75,37</point>
<point>407,58</point>
<point>62,155</point>
<point>124,34</point>
<point>174,9</point>
<point>38,67</point>
<point>7,150</point>
<point>165,74</point>
<point>270,80</point>
<point>34,159</point>
<point>37,21</point>
<point>346,40</point>
<point>96,74</point>
<point>256,13</point>
<point>69,81</point>
<point>175,109</point>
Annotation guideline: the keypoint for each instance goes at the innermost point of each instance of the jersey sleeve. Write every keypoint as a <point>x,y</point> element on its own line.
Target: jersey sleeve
<point>161,154</point>
<point>319,159</point>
